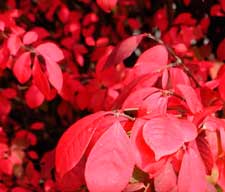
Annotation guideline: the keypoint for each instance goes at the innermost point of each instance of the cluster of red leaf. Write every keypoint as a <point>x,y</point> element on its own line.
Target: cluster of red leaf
<point>155,100</point>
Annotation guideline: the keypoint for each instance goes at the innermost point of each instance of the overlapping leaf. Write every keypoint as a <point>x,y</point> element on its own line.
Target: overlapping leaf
<point>110,163</point>
<point>34,98</point>
<point>166,180</point>
<point>40,79</point>
<point>152,60</point>
<point>123,50</point>
<point>165,135</point>
<point>144,156</point>
<point>22,68</point>
<point>192,175</point>
<point>191,98</point>
<point>107,5</point>
<point>50,50</point>
<point>74,143</point>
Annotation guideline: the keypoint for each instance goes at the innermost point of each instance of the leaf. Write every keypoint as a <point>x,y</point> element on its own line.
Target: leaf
<point>154,104</point>
<point>221,166</point>
<point>40,79</point>
<point>222,86</point>
<point>22,68</point>
<point>166,180</point>
<point>74,179</point>
<point>178,76</point>
<point>50,50</point>
<point>192,172</point>
<point>143,154</point>
<point>55,75</point>
<point>6,167</point>
<point>191,98</point>
<point>14,44</point>
<point>137,97</point>
<point>102,125</point>
<point>222,138</point>
<point>30,37</point>
<point>123,50</point>
<point>47,163</point>
<point>222,2</point>
<point>133,85</point>
<point>111,162</point>
<point>5,106</point>
<point>205,152</point>
<point>74,142</point>
<point>151,60</point>
<point>165,78</point>
<point>34,98</point>
<point>107,5</point>
<point>9,93</point>
<point>221,48</point>
<point>165,135</point>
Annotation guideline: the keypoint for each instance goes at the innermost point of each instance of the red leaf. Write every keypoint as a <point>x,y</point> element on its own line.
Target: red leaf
<point>144,156</point>
<point>166,180</point>
<point>64,13</point>
<point>107,5</point>
<point>165,78</point>
<point>165,140</point>
<point>136,98</point>
<point>47,164</point>
<point>178,76</point>
<point>37,126</point>
<point>5,106</point>
<point>222,138</point>
<point>102,125</point>
<point>14,44</point>
<point>51,51</point>
<point>205,152</point>
<point>222,3</point>
<point>123,50</point>
<point>9,93</point>
<point>154,104</point>
<point>111,162</point>
<point>222,86</point>
<point>186,2</point>
<point>6,166</point>
<point>22,68</point>
<point>192,172</point>
<point>191,98</point>
<point>105,76</point>
<point>184,19</point>
<point>73,180</point>
<point>55,75</point>
<point>151,60</point>
<point>40,79</point>
<point>74,143</point>
<point>220,50</point>
<point>34,98</point>
<point>125,92</point>
<point>4,56</point>
<point>221,166</point>
<point>30,37</point>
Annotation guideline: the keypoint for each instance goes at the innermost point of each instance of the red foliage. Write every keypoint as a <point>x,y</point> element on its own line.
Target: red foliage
<point>142,80</point>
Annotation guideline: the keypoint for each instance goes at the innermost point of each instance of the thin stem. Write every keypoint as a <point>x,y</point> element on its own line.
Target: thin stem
<point>117,113</point>
<point>172,93</point>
